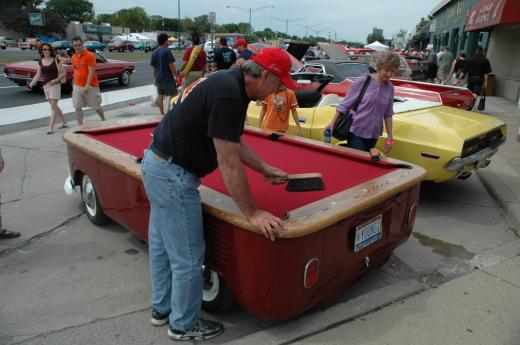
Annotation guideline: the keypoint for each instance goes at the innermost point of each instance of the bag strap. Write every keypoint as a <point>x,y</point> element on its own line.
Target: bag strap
<point>362,93</point>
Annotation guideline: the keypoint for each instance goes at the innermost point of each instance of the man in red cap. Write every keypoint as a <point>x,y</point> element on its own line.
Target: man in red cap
<point>201,132</point>
<point>244,54</point>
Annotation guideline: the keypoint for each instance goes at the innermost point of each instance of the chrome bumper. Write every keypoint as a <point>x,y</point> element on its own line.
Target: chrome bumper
<point>474,161</point>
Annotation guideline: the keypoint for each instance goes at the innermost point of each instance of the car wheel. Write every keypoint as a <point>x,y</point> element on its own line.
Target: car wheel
<point>90,199</point>
<point>131,50</point>
<point>216,297</point>
<point>124,79</point>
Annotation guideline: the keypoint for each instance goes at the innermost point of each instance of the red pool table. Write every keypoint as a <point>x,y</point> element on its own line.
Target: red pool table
<point>334,236</point>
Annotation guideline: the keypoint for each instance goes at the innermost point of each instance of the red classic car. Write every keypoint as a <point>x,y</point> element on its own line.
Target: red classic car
<point>22,73</point>
<point>344,72</point>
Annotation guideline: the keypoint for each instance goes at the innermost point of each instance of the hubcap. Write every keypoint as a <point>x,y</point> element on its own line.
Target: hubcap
<point>211,287</point>
<point>125,77</point>
<point>89,196</point>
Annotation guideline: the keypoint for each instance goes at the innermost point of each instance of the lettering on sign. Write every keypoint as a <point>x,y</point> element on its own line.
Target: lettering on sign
<point>487,14</point>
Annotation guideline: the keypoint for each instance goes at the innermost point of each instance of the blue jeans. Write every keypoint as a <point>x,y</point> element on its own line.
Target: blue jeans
<point>359,143</point>
<point>175,240</point>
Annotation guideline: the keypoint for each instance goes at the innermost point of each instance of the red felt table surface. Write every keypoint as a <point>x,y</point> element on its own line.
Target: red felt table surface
<point>340,170</point>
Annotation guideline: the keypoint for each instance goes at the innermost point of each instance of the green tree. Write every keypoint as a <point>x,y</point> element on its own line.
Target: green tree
<point>134,18</point>
<point>375,37</point>
<point>106,18</point>
<point>80,10</point>
<point>4,4</point>
<point>17,19</point>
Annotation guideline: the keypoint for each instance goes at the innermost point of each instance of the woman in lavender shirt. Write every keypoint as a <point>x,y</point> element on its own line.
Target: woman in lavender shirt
<point>375,108</point>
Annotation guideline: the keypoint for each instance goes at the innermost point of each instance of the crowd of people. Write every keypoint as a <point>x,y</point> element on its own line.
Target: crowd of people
<point>202,131</point>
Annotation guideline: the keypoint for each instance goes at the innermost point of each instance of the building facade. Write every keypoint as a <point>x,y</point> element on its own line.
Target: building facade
<point>492,24</point>
<point>501,18</point>
<point>447,28</point>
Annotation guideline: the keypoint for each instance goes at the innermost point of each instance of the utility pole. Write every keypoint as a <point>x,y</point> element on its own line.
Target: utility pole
<point>250,10</point>
<point>287,21</point>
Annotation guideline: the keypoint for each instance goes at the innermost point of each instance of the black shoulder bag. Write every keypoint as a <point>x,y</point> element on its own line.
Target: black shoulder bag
<point>482,102</point>
<point>344,121</point>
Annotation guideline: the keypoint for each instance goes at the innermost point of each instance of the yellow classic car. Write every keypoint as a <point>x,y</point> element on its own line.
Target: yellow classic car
<point>448,142</point>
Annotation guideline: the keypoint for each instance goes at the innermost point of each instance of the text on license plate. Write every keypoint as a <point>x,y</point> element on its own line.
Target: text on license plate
<point>368,233</point>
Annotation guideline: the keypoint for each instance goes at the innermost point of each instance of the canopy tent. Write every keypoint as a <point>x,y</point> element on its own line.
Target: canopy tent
<point>377,46</point>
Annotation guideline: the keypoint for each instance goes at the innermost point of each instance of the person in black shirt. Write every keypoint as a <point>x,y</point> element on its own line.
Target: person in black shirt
<point>476,70</point>
<point>224,57</point>
<point>201,132</point>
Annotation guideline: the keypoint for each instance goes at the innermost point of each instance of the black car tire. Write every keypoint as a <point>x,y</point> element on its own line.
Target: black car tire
<point>216,297</point>
<point>124,78</point>
<point>131,49</point>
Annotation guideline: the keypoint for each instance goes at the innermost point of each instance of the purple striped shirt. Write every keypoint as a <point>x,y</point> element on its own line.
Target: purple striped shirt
<point>377,104</point>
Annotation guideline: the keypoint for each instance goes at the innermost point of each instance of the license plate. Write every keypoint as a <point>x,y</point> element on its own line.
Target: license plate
<point>368,233</point>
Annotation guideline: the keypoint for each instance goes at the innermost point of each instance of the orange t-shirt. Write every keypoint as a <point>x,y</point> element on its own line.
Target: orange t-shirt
<point>80,65</point>
<point>277,107</point>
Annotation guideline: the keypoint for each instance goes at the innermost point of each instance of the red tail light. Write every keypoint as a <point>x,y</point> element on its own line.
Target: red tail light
<point>310,274</point>
<point>412,212</point>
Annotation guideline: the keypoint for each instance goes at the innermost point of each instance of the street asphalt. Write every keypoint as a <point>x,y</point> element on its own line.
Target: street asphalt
<point>66,281</point>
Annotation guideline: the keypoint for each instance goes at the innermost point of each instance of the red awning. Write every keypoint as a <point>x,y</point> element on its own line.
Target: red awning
<point>492,12</point>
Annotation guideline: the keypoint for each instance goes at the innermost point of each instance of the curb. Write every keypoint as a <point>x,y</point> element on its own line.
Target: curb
<point>499,192</point>
<point>35,123</point>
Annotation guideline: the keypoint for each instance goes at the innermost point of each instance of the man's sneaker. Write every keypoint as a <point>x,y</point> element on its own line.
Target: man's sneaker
<point>202,330</point>
<point>159,319</point>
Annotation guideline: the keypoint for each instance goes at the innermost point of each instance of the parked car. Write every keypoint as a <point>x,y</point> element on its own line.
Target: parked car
<point>448,142</point>
<point>3,45</point>
<point>61,45</point>
<point>9,41</point>
<point>121,46</point>
<point>150,46</point>
<point>94,45</point>
<point>419,68</point>
<point>22,73</point>
<point>344,72</point>
<point>28,43</point>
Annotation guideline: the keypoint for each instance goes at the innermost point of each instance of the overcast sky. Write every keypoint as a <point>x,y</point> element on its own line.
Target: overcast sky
<point>352,20</point>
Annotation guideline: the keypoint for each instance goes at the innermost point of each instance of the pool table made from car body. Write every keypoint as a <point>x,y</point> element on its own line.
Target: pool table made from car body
<point>334,236</point>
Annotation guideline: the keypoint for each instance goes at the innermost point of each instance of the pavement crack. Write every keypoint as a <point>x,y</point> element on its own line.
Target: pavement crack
<point>75,326</point>
<point>40,236</point>
<point>502,279</point>
<point>24,176</point>
<point>296,340</point>
<point>33,149</point>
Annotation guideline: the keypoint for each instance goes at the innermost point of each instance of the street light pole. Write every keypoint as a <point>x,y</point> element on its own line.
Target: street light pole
<point>179,25</point>
<point>250,10</point>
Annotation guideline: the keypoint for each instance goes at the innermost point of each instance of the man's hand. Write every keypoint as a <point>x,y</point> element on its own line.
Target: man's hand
<point>85,90</point>
<point>274,175</point>
<point>270,225</point>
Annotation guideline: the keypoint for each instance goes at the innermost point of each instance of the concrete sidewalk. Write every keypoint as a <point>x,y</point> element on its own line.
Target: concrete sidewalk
<point>37,115</point>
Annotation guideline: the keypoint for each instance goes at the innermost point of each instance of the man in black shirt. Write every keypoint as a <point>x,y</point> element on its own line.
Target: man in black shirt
<point>225,57</point>
<point>200,133</point>
<point>477,69</point>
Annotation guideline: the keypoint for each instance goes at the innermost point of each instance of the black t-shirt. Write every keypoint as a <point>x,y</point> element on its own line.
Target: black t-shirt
<point>224,57</point>
<point>477,66</point>
<point>213,107</point>
<point>460,65</point>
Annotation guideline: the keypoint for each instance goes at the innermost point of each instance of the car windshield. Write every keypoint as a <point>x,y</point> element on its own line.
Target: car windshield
<point>353,70</point>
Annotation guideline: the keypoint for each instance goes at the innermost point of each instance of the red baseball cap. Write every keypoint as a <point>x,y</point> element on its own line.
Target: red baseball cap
<point>276,61</point>
<point>241,42</point>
